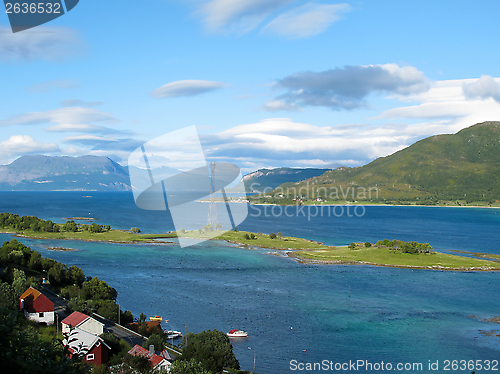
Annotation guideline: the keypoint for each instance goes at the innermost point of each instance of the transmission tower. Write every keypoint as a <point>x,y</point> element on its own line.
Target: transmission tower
<point>212,212</point>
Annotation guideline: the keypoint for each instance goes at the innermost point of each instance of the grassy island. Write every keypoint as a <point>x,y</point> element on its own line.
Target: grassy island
<point>393,253</point>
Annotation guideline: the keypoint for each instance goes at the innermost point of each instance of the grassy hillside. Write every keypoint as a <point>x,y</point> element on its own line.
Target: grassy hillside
<point>462,168</point>
<point>263,179</point>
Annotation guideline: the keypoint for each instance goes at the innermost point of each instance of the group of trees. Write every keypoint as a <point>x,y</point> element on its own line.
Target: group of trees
<point>86,295</point>
<point>210,348</point>
<point>405,247</point>
<point>27,223</point>
<point>13,221</point>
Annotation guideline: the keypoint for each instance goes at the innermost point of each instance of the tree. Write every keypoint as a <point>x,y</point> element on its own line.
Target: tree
<point>212,348</point>
<point>7,296</point>
<point>19,283</point>
<point>352,246</point>
<point>35,262</point>
<point>188,367</point>
<point>97,289</point>
<point>279,235</point>
<point>135,230</point>
<point>272,235</point>
<point>368,244</point>
<point>75,275</point>
<point>156,340</point>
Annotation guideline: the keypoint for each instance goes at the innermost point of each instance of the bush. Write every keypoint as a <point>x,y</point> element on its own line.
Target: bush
<point>368,244</point>
<point>272,235</point>
<point>135,230</point>
<point>352,246</point>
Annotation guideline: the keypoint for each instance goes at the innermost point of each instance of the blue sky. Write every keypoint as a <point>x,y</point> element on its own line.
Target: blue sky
<point>268,83</point>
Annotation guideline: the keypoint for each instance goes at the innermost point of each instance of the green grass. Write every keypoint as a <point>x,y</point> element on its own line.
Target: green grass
<point>116,236</point>
<point>386,257</point>
<point>262,240</point>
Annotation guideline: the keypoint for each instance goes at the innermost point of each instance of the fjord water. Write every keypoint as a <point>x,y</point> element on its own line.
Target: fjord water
<point>293,311</point>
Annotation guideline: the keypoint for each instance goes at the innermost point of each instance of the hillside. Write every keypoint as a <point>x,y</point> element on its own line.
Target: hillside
<point>463,168</point>
<point>272,178</point>
<point>44,173</point>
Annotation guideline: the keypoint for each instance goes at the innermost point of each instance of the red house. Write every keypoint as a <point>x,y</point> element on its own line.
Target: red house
<point>91,347</point>
<point>36,306</point>
<point>158,363</point>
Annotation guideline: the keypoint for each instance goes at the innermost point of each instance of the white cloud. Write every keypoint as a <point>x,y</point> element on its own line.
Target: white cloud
<point>447,108</point>
<point>277,105</point>
<point>186,88</point>
<point>83,138</point>
<point>238,16</point>
<point>76,102</point>
<point>284,142</point>
<point>52,85</point>
<point>484,88</point>
<point>75,115</point>
<point>83,127</point>
<point>40,43</point>
<point>306,20</point>
<point>18,145</point>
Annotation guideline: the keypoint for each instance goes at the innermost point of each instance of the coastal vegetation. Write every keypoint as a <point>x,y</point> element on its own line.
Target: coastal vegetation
<point>34,227</point>
<point>402,254</point>
<point>212,349</point>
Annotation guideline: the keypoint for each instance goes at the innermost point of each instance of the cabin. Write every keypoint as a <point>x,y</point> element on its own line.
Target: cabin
<point>83,322</point>
<point>36,306</point>
<point>158,362</point>
<point>90,347</point>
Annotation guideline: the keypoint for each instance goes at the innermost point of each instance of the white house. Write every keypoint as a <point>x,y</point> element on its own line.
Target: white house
<point>36,306</point>
<point>83,322</point>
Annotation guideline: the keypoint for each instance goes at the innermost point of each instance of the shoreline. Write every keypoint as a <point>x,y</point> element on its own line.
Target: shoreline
<point>306,251</point>
<point>387,205</point>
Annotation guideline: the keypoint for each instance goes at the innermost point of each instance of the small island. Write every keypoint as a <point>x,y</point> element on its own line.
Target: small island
<point>391,253</point>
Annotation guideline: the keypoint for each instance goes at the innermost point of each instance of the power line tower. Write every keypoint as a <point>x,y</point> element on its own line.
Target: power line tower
<point>212,212</point>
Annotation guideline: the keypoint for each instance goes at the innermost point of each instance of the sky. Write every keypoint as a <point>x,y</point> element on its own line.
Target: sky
<point>267,83</point>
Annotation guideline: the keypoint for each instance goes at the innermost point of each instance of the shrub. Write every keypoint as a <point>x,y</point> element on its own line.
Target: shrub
<point>272,235</point>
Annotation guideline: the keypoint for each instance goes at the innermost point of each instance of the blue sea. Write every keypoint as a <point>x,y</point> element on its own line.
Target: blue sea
<point>297,313</point>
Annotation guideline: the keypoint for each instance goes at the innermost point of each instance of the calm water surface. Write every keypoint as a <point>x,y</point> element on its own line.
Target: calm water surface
<point>294,311</point>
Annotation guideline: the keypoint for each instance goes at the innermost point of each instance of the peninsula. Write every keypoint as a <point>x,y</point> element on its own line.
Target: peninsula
<point>392,253</point>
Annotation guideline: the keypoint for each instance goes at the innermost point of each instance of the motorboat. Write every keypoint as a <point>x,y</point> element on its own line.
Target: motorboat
<point>172,334</point>
<point>155,318</point>
<point>235,333</point>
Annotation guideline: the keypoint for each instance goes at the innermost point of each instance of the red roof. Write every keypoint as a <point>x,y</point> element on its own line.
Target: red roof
<point>74,319</point>
<point>33,301</point>
<point>153,358</point>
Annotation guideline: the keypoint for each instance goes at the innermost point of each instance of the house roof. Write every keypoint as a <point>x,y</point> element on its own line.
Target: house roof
<point>74,319</point>
<point>79,340</point>
<point>155,360</point>
<point>30,291</point>
<point>34,301</point>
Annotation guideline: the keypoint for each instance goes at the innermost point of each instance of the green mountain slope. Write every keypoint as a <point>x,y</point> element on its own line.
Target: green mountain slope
<point>266,179</point>
<point>463,166</point>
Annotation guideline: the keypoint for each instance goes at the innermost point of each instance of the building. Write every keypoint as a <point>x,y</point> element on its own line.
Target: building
<point>83,322</point>
<point>36,306</point>
<point>92,348</point>
<point>158,363</point>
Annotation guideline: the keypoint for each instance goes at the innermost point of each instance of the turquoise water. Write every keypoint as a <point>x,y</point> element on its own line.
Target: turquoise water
<point>307,313</point>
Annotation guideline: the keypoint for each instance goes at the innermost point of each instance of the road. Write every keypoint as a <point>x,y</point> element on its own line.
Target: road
<point>119,331</point>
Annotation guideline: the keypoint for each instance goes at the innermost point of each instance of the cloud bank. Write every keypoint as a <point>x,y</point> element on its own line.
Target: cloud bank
<point>40,43</point>
<point>347,87</point>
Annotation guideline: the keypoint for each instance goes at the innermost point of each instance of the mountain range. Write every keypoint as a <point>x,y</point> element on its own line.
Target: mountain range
<point>44,173</point>
<point>464,166</point>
